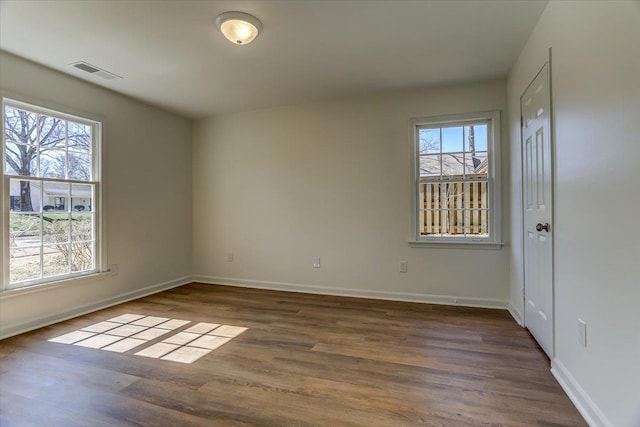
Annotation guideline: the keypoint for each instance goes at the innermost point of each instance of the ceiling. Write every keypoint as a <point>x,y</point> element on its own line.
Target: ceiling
<point>171,55</point>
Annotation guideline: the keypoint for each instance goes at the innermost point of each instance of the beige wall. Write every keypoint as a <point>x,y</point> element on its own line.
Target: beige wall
<point>596,108</point>
<point>148,190</point>
<point>278,187</point>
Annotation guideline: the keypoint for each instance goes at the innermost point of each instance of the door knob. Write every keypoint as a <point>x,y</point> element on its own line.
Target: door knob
<point>544,227</point>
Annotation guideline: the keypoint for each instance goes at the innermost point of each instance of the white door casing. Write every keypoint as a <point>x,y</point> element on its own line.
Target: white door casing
<point>535,106</point>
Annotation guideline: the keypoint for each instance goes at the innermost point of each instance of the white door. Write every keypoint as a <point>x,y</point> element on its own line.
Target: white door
<point>538,231</point>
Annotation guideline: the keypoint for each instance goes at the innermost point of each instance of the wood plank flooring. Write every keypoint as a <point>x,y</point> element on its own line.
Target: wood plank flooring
<point>306,360</point>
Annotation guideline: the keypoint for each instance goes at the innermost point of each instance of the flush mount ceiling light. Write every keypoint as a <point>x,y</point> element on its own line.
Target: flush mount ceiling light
<point>239,27</point>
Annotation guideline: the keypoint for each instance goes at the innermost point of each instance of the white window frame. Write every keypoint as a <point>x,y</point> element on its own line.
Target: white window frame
<point>100,261</point>
<point>494,239</point>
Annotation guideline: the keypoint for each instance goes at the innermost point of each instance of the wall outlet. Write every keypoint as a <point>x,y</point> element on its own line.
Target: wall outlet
<point>230,257</point>
<point>582,332</point>
<point>403,266</point>
<point>316,262</point>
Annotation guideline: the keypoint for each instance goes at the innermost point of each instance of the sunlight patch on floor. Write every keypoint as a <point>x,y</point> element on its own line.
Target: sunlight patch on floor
<point>130,331</point>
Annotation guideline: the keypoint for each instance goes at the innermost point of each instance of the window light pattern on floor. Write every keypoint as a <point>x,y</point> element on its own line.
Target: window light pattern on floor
<point>130,331</point>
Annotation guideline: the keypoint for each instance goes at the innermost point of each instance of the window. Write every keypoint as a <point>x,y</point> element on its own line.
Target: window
<point>14,203</point>
<point>456,192</point>
<point>51,217</point>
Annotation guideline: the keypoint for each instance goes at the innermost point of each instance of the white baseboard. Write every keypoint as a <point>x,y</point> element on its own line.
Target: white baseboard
<point>357,293</point>
<point>515,313</point>
<point>19,328</point>
<point>587,408</point>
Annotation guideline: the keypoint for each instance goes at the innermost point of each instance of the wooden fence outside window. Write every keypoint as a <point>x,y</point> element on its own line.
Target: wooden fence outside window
<point>454,207</point>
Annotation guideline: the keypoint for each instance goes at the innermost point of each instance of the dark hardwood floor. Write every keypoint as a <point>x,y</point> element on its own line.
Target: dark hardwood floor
<point>306,360</point>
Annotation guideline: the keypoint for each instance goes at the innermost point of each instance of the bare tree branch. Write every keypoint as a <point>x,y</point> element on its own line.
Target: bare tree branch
<point>44,140</point>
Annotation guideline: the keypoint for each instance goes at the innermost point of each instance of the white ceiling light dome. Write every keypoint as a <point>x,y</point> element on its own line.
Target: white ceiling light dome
<point>239,27</point>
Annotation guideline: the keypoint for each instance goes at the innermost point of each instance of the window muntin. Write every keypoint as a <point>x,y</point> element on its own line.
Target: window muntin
<point>455,183</point>
<point>51,174</point>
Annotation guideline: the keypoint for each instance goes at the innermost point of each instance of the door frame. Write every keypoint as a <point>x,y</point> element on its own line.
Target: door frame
<point>552,139</point>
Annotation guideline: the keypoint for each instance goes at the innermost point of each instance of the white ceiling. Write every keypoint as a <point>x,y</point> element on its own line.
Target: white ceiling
<point>171,54</point>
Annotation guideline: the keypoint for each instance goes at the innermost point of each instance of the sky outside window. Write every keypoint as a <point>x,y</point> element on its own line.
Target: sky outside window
<point>454,139</point>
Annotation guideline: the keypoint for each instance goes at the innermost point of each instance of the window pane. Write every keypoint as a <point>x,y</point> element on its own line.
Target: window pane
<point>453,165</point>
<point>429,141</point>
<point>477,165</point>
<point>53,133</point>
<point>55,228</point>
<point>24,230</point>
<point>81,197</point>
<point>53,163</point>
<point>55,260</point>
<point>81,226</point>
<point>56,196</point>
<point>20,126</point>
<point>475,138</point>
<point>430,195</point>
<point>430,222</point>
<point>82,256</point>
<point>477,223</point>
<point>476,195</point>
<point>21,159</point>
<point>430,165</point>
<point>452,195</point>
<point>79,137</point>
<point>452,222</point>
<point>24,264</point>
<point>452,140</point>
<point>25,195</point>
<point>445,222</point>
<point>80,166</point>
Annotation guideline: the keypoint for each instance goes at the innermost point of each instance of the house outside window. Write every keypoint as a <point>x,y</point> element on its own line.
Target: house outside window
<point>456,180</point>
<point>51,172</point>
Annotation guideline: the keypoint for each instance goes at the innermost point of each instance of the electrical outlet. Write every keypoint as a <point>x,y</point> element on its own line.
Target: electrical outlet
<point>230,257</point>
<point>402,267</point>
<point>582,332</point>
<point>316,262</point>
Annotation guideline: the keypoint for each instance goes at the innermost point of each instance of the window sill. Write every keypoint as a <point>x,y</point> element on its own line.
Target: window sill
<point>8,293</point>
<point>454,245</point>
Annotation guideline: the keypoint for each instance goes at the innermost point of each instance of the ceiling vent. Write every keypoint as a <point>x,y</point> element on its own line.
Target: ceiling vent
<point>92,69</point>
